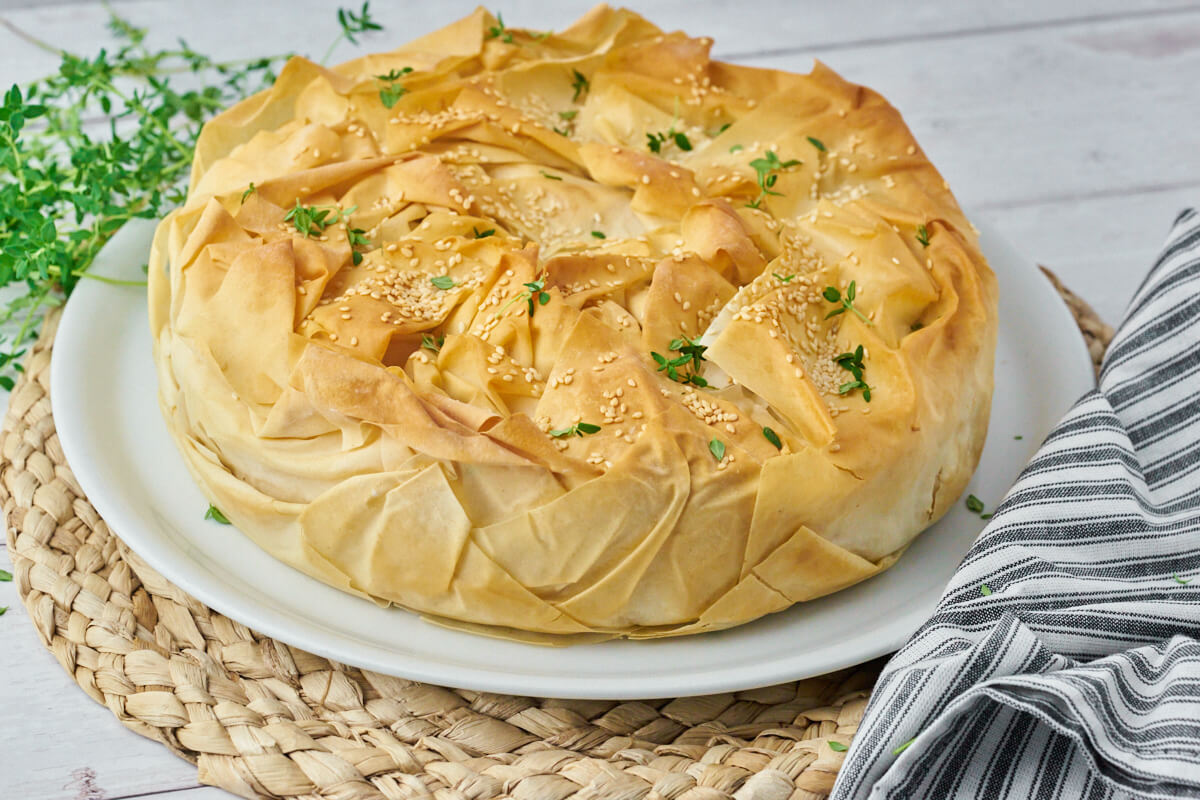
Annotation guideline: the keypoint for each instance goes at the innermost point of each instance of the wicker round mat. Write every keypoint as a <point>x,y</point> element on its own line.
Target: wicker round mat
<point>262,719</point>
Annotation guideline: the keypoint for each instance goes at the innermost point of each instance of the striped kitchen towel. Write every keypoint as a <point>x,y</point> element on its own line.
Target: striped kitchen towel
<point>1063,660</point>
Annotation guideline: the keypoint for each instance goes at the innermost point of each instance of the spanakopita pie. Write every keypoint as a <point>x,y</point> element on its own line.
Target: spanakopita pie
<point>572,335</point>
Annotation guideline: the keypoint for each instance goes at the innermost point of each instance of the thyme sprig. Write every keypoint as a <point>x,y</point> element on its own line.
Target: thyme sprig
<point>853,363</point>
<point>767,171</point>
<point>580,84</point>
<point>578,429</point>
<point>846,302</point>
<point>690,351</point>
<point>105,139</point>
<point>499,31</point>
<point>391,93</point>
<point>352,25</point>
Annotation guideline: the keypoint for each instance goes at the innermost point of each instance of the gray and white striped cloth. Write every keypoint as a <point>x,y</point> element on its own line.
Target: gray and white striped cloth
<point>1063,660</point>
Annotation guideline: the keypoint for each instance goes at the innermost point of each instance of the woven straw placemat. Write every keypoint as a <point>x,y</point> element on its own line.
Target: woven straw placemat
<point>265,720</point>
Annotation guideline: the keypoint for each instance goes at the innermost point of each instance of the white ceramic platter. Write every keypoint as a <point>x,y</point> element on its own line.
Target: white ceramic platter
<point>104,396</point>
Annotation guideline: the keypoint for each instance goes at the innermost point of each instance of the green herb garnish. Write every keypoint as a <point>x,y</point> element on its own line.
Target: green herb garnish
<point>598,235</point>
<point>853,362</point>
<point>773,438</point>
<point>717,448</point>
<point>390,94</point>
<point>985,590</point>
<point>832,294</point>
<point>1178,580</point>
<point>837,747</point>
<point>974,504</point>
<point>903,747</point>
<point>655,141</point>
<point>783,278</point>
<point>569,118</point>
<point>215,515</point>
<point>430,343</point>
<point>690,351</point>
<point>3,610</point>
<point>443,282</point>
<point>737,148</point>
<point>923,236</point>
<point>579,83</point>
<point>105,139</point>
<point>548,175</point>
<point>1018,437</point>
<point>357,238</point>
<point>483,234</point>
<point>767,170</point>
<point>5,576</point>
<point>578,429</point>
<point>817,143</point>
<point>313,220</point>
<point>498,31</point>
<point>352,24</point>
<point>251,189</point>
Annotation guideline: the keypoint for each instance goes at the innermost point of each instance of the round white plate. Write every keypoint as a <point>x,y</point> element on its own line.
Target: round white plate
<point>104,395</point>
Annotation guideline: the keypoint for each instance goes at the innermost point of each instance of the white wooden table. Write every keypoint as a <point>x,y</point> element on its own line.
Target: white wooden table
<point>1073,126</point>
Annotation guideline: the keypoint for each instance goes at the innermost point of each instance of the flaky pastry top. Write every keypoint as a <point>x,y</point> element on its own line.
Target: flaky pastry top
<point>577,334</point>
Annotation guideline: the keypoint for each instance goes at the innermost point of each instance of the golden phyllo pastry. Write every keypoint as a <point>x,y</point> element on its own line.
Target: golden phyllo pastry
<point>572,335</point>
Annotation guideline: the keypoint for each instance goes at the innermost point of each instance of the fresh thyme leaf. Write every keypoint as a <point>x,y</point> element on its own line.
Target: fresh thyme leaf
<point>249,191</point>
<point>598,235</point>
<point>215,515</point>
<point>357,238</point>
<point>5,576</point>
<point>655,141</point>
<point>724,128</point>
<point>767,170</point>
<point>578,429</point>
<point>569,115</point>
<point>985,590</point>
<point>352,24</point>
<point>923,236</point>
<point>1178,580</point>
<point>853,363</point>
<point>548,175</point>
<point>717,448</point>
<point>837,747</point>
<point>390,94</point>
<point>106,138</point>
<point>580,84</point>
<point>817,143</point>
<point>846,302</point>
<point>903,747</point>
<point>499,31</point>
<point>1018,437</point>
<point>430,343</point>
<point>773,438</point>
<point>483,234</point>
<point>313,220</point>
<point>783,278</point>
<point>974,504</point>
<point>442,282</point>
<point>737,148</point>
<point>3,610</point>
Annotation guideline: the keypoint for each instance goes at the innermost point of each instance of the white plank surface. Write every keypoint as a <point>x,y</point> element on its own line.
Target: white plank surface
<point>1075,130</point>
